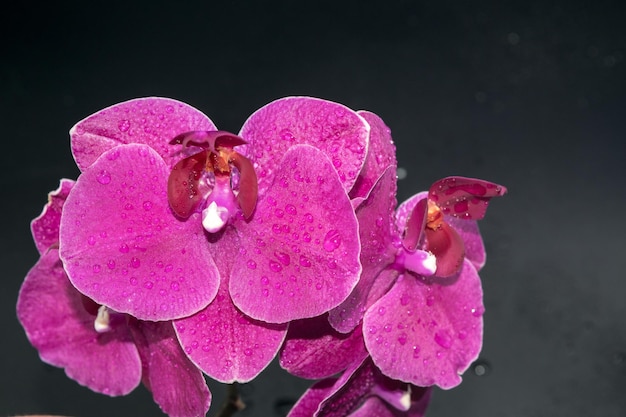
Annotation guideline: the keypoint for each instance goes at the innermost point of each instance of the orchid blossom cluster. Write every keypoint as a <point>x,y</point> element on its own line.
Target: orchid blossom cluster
<point>183,251</point>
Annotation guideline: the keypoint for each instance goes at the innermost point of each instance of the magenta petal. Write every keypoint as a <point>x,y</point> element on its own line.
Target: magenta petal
<point>335,129</point>
<point>45,227</point>
<point>153,121</point>
<point>314,350</point>
<point>376,232</point>
<point>302,246</point>
<point>465,198</point>
<point>472,240</point>
<point>62,330</point>
<point>405,209</point>
<point>227,345</point>
<point>177,386</point>
<point>381,154</point>
<point>424,332</point>
<point>309,402</point>
<point>123,247</point>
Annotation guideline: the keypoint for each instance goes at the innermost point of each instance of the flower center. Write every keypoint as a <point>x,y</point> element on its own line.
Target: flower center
<point>205,179</point>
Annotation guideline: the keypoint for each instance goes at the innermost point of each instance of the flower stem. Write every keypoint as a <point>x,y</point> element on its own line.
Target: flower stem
<point>233,402</point>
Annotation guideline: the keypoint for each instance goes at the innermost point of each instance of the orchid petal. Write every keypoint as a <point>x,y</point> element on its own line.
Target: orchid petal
<point>331,127</point>
<point>447,246</point>
<point>309,402</point>
<point>183,191</point>
<point>314,350</point>
<point>45,227</point>
<point>465,198</point>
<point>123,247</point>
<point>472,240</point>
<point>415,224</point>
<point>302,249</point>
<point>381,154</point>
<point>405,209</point>
<point>227,345</point>
<point>248,184</point>
<point>426,331</point>
<point>210,140</point>
<point>376,232</point>
<point>178,387</point>
<point>153,121</point>
<point>59,326</point>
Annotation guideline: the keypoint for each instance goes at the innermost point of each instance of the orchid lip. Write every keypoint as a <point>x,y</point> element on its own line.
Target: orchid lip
<point>187,182</point>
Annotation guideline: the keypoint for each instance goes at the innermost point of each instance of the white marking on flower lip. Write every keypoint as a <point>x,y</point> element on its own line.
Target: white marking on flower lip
<point>405,400</point>
<point>430,263</point>
<point>101,324</point>
<point>214,217</point>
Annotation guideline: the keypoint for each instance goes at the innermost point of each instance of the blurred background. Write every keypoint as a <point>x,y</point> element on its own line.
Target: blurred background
<point>530,94</point>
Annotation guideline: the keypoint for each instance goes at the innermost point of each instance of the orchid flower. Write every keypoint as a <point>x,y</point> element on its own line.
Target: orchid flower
<point>361,391</point>
<point>174,220</point>
<point>106,351</point>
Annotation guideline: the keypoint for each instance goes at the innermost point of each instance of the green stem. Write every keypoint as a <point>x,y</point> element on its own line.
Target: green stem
<point>233,402</point>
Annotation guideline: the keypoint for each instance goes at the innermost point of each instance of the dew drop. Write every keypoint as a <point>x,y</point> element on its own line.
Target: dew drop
<point>402,339</point>
<point>123,125</point>
<point>404,300</point>
<point>275,266</point>
<point>416,351</point>
<point>443,339</point>
<point>91,240</point>
<point>147,205</point>
<point>430,300</point>
<point>96,268</point>
<point>318,286</point>
<point>247,352</point>
<point>381,310</point>
<point>124,248</point>
<point>332,240</point>
<point>308,217</point>
<point>291,209</point>
<point>149,285</point>
<point>265,292</point>
<point>175,286</point>
<point>282,257</point>
<point>135,262</point>
<point>111,264</point>
<point>104,177</point>
<point>251,264</point>
<point>304,261</point>
<point>265,280</point>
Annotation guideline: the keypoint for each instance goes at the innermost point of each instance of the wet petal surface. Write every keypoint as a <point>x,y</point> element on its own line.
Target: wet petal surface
<point>61,328</point>
<point>330,127</point>
<point>178,387</point>
<point>427,331</point>
<point>153,121</point>
<point>123,247</point>
<point>45,227</point>
<point>226,344</point>
<point>301,253</point>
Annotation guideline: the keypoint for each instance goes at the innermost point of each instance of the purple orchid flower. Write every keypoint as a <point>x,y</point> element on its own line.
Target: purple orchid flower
<point>427,329</point>
<point>362,390</point>
<point>174,220</point>
<point>106,351</point>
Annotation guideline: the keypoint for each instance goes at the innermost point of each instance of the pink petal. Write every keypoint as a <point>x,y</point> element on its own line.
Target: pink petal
<point>406,208</point>
<point>465,198</point>
<point>248,184</point>
<point>59,326</point>
<point>314,350</point>
<point>227,345</point>
<point>472,240</point>
<point>123,247</point>
<point>376,232</point>
<point>302,246</point>
<point>153,121</point>
<point>309,402</point>
<point>330,127</point>
<point>413,234</point>
<point>178,387</point>
<point>425,332</point>
<point>447,246</point>
<point>45,227</point>
<point>381,154</point>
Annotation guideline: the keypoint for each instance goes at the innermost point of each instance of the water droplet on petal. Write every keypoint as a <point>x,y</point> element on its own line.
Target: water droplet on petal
<point>402,338</point>
<point>282,257</point>
<point>291,209</point>
<point>251,264</point>
<point>443,339</point>
<point>104,177</point>
<point>332,240</point>
<point>304,261</point>
<point>124,248</point>
<point>123,125</point>
<point>135,263</point>
<point>147,205</point>
<point>275,266</point>
<point>149,285</point>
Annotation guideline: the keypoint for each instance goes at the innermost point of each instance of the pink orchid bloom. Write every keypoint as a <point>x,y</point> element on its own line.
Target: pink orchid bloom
<point>104,350</point>
<point>225,234</point>
<point>427,329</point>
<point>361,391</point>
<point>418,306</point>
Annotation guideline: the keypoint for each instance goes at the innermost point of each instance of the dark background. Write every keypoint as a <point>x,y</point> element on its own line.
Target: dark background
<point>528,94</point>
